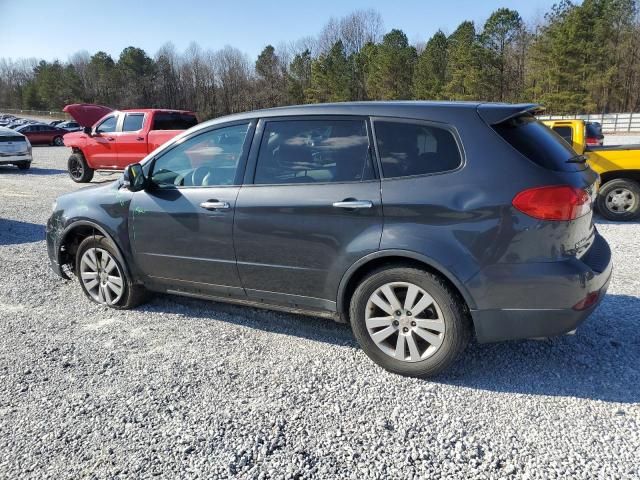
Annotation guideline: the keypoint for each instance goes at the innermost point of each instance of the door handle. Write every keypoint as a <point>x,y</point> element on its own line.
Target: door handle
<point>111,139</point>
<point>352,204</point>
<point>139,138</point>
<point>214,205</point>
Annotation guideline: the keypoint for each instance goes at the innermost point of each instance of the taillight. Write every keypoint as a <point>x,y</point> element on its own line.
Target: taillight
<point>592,141</point>
<point>558,202</point>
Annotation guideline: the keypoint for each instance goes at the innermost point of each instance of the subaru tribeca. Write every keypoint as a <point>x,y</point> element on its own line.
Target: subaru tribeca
<point>418,223</point>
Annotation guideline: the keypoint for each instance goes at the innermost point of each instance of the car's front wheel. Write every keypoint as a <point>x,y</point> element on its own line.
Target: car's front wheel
<point>79,170</point>
<point>409,321</point>
<point>103,277</point>
<point>24,165</point>
<point>619,199</point>
<point>58,142</point>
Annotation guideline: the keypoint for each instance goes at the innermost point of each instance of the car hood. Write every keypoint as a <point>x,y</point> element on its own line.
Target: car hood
<point>86,114</point>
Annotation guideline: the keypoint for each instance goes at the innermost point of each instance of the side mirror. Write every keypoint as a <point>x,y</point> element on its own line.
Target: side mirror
<point>87,130</point>
<point>134,179</point>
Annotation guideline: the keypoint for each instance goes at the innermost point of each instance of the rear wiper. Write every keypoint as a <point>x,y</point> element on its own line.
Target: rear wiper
<point>577,159</point>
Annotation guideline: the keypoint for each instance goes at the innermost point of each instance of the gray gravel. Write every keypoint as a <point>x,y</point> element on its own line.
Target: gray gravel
<point>190,389</point>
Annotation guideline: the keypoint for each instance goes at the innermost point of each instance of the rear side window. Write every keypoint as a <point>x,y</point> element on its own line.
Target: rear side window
<point>310,151</point>
<point>173,121</point>
<point>407,149</point>
<point>133,122</point>
<point>538,143</point>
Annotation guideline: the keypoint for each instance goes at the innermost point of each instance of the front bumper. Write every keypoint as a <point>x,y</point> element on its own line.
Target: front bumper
<point>53,234</point>
<point>517,301</point>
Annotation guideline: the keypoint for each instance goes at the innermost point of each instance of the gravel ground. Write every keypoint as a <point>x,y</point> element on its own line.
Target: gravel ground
<point>181,388</point>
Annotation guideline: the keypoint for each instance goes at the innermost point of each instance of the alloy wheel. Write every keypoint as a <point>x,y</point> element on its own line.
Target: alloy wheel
<point>76,169</point>
<point>101,276</point>
<point>621,200</point>
<point>404,321</point>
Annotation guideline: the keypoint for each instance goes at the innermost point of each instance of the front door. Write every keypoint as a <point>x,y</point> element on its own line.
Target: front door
<point>182,225</point>
<point>313,209</point>
<point>101,148</point>
<point>132,141</point>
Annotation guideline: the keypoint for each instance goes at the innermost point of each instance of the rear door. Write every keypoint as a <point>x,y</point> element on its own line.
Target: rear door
<point>132,141</point>
<point>310,208</point>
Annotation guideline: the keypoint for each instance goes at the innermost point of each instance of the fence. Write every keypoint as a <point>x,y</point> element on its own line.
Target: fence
<point>39,114</point>
<point>611,122</point>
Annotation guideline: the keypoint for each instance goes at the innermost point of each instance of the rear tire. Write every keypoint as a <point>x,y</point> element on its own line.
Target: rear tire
<point>435,333</point>
<point>24,165</point>
<point>79,170</point>
<point>58,142</point>
<point>619,200</point>
<point>102,276</point>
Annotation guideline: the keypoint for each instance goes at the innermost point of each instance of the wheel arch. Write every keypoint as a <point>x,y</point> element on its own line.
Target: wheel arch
<point>362,267</point>
<point>620,174</point>
<point>75,233</point>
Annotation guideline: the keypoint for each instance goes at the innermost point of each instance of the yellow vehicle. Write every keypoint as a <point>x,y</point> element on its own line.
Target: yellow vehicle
<point>618,166</point>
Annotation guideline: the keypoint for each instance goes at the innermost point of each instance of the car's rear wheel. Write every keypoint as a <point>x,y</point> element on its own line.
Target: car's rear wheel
<point>619,199</point>
<point>78,169</point>
<point>58,142</point>
<point>102,275</point>
<point>409,321</point>
<point>24,165</point>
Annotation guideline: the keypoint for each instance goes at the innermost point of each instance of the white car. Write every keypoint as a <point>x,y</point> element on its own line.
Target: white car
<point>15,149</point>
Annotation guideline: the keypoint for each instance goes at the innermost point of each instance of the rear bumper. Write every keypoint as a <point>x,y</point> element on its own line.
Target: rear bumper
<point>12,159</point>
<point>537,300</point>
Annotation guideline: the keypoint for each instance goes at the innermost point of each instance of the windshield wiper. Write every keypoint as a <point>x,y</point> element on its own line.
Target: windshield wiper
<point>577,159</point>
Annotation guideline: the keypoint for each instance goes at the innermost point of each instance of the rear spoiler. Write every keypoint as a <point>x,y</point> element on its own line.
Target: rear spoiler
<point>493,113</point>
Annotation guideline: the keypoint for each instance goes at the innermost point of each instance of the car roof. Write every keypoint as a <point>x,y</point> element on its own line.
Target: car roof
<point>490,112</point>
<point>152,110</point>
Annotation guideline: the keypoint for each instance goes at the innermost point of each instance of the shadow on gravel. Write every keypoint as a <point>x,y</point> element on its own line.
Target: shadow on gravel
<point>600,362</point>
<point>4,169</point>
<point>603,221</point>
<point>14,232</point>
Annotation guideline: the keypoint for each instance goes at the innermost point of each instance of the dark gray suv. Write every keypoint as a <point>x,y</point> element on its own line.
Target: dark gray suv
<point>418,223</point>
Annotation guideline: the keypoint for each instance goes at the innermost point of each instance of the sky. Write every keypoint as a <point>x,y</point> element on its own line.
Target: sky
<point>51,29</point>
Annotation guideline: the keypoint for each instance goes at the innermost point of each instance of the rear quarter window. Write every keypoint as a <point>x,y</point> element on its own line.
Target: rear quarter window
<point>173,121</point>
<point>538,143</point>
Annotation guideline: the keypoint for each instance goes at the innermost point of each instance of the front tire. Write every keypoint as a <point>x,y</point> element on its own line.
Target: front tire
<point>58,141</point>
<point>102,276</point>
<point>409,321</point>
<point>619,200</point>
<point>24,165</point>
<point>79,170</point>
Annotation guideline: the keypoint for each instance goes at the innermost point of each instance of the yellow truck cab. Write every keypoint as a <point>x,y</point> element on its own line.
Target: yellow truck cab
<point>617,165</point>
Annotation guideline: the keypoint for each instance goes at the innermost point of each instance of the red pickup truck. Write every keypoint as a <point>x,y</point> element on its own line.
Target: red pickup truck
<point>112,139</point>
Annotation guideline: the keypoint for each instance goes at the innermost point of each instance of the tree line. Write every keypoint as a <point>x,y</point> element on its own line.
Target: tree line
<point>576,59</point>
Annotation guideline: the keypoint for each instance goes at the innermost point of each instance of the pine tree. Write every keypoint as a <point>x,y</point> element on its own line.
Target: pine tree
<point>391,69</point>
<point>430,73</point>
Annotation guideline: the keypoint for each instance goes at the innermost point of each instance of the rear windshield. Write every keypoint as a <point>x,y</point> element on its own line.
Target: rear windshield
<point>11,138</point>
<point>173,121</point>
<point>538,143</point>
<point>593,130</point>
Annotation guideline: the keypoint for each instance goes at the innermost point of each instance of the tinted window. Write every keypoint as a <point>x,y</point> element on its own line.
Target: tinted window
<point>108,125</point>
<point>11,138</point>
<point>173,121</point>
<point>207,159</point>
<point>565,132</point>
<point>538,143</point>
<point>308,151</point>
<point>415,149</point>
<point>593,130</point>
<point>133,122</point>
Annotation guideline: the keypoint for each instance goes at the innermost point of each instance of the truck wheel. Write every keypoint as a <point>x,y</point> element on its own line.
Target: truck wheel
<point>78,169</point>
<point>24,165</point>
<point>409,321</point>
<point>102,277</point>
<point>619,200</point>
<point>58,142</point>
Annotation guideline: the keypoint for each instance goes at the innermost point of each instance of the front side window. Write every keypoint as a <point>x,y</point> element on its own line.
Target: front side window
<point>208,159</point>
<point>310,151</point>
<point>133,122</point>
<point>408,149</point>
<point>107,125</point>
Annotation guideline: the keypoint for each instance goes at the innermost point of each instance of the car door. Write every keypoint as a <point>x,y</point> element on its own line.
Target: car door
<point>182,225</point>
<point>311,208</point>
<point>101,149</point>
<point>132,142</point>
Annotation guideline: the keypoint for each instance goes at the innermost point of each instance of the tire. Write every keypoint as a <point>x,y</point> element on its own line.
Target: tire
<point>445,313</point>
<point>58,142</point>
<point>619,200</point>
<point>79,170</point>
<point>24,165</point>
<point>98,254</point>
